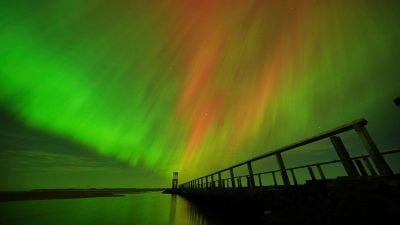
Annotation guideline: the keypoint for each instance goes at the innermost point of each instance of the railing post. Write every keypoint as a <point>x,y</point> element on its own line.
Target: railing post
<point>377,158</point>
<point>251,176</point>
<point>281,164</point>
<point>232,177</point>
<point>361,168</point>
<point>311,172</point>
<point>344,156</point>
<point>293,176</point>
<point>259,180</point>
<point>207,184</point>
<point>321,172</point>
<point>369,166</point>
<point>212,181</point>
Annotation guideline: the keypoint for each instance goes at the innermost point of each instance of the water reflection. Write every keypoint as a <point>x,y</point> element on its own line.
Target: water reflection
<point>182,211</point>
<point>172,210</point>
<point>135,209</point>
<point>196,217</point>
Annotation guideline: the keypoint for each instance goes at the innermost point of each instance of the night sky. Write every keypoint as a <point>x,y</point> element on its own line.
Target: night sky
<point>122,93</point>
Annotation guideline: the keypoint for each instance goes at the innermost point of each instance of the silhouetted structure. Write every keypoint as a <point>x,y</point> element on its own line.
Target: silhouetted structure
<point>175,180</point>
<point>368,193</point>
<point>352,170</point>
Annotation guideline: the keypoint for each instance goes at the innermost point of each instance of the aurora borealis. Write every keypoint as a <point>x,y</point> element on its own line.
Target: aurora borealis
<point>194,86</point>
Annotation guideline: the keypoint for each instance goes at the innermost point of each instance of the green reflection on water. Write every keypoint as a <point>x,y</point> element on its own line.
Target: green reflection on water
<point>136,209</point>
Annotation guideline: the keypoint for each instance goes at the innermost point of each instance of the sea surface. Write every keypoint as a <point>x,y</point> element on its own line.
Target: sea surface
<point>133,209</point>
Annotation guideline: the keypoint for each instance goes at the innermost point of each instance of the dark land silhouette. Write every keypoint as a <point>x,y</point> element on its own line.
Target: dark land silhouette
<point>41,194</point>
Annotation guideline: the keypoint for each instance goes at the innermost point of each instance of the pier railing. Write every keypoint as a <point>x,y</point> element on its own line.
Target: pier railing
<point>350,164</point>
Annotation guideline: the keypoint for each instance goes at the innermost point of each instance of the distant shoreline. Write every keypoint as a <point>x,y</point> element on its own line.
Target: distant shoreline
<point>70,193</point>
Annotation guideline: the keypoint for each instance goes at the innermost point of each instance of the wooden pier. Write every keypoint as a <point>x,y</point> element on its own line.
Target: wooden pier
<point>369,186</point>
<point>354,166</point>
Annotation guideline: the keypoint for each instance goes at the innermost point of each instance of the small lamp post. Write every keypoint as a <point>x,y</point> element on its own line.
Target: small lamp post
<point>397,101</point>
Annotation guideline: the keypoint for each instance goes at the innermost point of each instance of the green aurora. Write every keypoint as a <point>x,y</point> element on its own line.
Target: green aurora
<point>123,93</point>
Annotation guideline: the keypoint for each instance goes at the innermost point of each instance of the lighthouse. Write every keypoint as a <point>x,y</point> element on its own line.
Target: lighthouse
<point>175,181</point>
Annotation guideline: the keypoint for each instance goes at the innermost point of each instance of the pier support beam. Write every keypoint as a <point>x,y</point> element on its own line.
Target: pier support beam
<point>293,176</point>
<point>259,180</point>
<point>369,166</point>
<point>232,177</point>
<point>380,163</point>
<point>311,172</point>
<point>281,165</point>
<point>344,156</point>
<point>361,168</point>
<point>274,178</point>
<point>219,180</point>
<point>321,172</point>
<point>251,182</point>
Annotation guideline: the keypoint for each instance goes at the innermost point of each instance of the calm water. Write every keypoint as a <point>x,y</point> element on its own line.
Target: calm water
<point>136,209</point>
